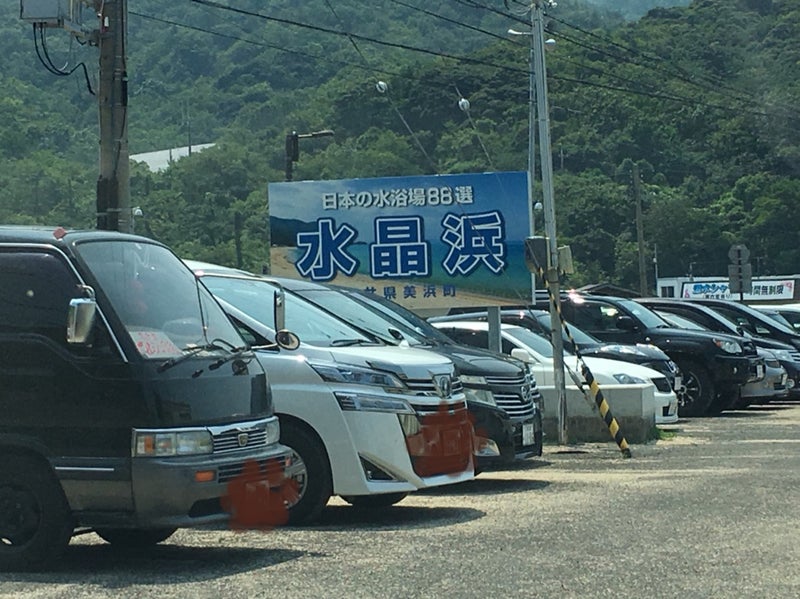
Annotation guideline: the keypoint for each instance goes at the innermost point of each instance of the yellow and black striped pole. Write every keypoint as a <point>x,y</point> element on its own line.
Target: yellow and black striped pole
<point>594,387</point>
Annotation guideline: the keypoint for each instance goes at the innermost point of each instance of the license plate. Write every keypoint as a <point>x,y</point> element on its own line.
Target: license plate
<point>678,386</point>
<point>760,371</point>
<point>527,434</point>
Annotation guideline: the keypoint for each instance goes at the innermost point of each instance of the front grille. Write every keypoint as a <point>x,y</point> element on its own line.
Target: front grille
<point>514,405</point>
<point>662,384</point>
<point>271,469</point>
<point>231,440</point>
<point>427,386</point>
<point>514,381</point>
<point>423,410</point>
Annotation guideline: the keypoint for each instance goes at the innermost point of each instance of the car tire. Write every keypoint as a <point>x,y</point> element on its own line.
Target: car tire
<point>35,520</point>
<point>311,471</point>
<point>374,501</point>
<point>698,390</point>
<point>134,538</point>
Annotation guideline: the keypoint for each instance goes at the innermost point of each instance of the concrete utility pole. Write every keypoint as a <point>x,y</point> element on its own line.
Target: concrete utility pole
<point>637,193</point>
<point>552,274</point>
<point>113,184</point>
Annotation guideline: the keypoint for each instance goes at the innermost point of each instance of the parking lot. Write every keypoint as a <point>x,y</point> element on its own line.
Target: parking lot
<point>710,511</point>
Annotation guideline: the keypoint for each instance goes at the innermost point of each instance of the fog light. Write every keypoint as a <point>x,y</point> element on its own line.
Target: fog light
<point>486,448</point>
<point>205,476</point>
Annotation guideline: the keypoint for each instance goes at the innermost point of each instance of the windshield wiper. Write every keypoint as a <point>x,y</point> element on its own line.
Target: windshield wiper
<point>193,350</point>
<point>347,342</point>
<point>235,353</point>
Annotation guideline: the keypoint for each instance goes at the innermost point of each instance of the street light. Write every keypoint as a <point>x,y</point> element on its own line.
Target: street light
<point>293,147</point>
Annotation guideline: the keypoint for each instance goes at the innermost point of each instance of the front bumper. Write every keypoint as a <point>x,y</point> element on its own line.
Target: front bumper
<point>735,370</point>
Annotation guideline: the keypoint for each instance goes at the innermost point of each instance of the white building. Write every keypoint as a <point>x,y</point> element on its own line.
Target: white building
<point>771,289</point>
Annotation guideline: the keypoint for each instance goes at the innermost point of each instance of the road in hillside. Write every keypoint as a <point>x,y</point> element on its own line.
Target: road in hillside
<point>713,512</point>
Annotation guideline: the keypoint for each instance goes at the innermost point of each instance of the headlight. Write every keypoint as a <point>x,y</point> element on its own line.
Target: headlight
<point>731,347</point>
<point>783,354</point>
<point>371,403</point>
<point>479,395</point>
<point>162,443</point>
<point>273,431</point>
<point>626,379</point>
<point>357,375</point>
<point>468,379</point>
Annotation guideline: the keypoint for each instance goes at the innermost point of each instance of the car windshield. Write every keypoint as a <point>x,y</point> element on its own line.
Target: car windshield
<point>362,315</point>
<point>536,342</point>
<point>157,298</point>
<point>580,336</point>
<point>311,324</point>
<point>649,319</point>
<point>680,321</point>
<point>401,315</point>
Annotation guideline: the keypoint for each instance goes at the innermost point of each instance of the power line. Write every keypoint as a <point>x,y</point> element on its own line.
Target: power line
<point>474,61</point>
<point>411,132</point>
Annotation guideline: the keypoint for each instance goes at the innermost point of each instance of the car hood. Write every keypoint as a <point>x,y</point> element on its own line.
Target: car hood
<point>638,354</point>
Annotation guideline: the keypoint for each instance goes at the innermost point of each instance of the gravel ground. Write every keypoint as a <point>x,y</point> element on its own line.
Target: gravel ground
<point>710,512</point>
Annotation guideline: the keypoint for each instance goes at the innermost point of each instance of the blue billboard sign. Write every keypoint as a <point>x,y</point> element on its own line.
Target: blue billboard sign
<point>418,240</point>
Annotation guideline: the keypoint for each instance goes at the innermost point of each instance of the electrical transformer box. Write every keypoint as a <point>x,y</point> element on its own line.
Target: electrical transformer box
<point>66,14</point>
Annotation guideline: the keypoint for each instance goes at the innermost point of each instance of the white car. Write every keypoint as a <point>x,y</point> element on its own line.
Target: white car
<point>604,371</point>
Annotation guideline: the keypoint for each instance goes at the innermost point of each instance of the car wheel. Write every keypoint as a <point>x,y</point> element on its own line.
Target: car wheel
<point>698,390</point>
<point>134,538</point>
<point>374,501</point>
<point>311,472</point>
<point>35,520</point>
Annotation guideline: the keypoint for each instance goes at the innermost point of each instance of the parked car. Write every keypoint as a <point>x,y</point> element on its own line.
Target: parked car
<point>130,403</point>
<point>708,317</point>
<point>538,321</point>
<point>501,392</point>
<point>783,313</point>
<point>713,365</point>
<point>540,350</point>
<point>771,385</point>
<point>365,421</point>
<point>752,321</point>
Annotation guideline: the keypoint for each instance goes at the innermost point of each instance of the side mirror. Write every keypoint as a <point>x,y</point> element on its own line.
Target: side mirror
<point>626,323</point>
<point>287,340</point>
<point>521,355</point>
<point>80,317</point>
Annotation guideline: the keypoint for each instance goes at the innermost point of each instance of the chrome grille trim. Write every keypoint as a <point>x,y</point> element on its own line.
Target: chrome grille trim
<point>226,438</point>
<point>272,468</point>
<point>514,405</point>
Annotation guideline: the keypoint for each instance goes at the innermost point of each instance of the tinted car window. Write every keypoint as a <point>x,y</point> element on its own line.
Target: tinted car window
<point>35,293</point>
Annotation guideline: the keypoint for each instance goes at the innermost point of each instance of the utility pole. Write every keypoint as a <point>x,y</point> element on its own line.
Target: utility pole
<point>552,273</point>
<point>113,184</point>
<point>637,194</point>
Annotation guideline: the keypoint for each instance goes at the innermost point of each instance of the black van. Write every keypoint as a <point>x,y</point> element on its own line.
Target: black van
<point>131,406</point>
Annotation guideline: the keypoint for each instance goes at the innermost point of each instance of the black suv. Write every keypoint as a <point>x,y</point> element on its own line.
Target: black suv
<point>501,392</point>
<point>713,365</point>
<point>712,319</point>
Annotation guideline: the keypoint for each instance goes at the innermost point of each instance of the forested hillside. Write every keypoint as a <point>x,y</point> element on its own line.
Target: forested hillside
<point>703,97</point>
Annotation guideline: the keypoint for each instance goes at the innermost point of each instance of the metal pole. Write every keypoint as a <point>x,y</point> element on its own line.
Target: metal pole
<point>539,68</point>
<point>113,184</point>
<point>531,153</point>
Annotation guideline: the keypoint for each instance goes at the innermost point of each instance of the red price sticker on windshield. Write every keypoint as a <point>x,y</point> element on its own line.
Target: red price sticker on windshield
<point>154,344</point>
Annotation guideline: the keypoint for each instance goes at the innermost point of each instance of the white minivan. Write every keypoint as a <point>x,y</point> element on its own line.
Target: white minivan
<point>366,421</point>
